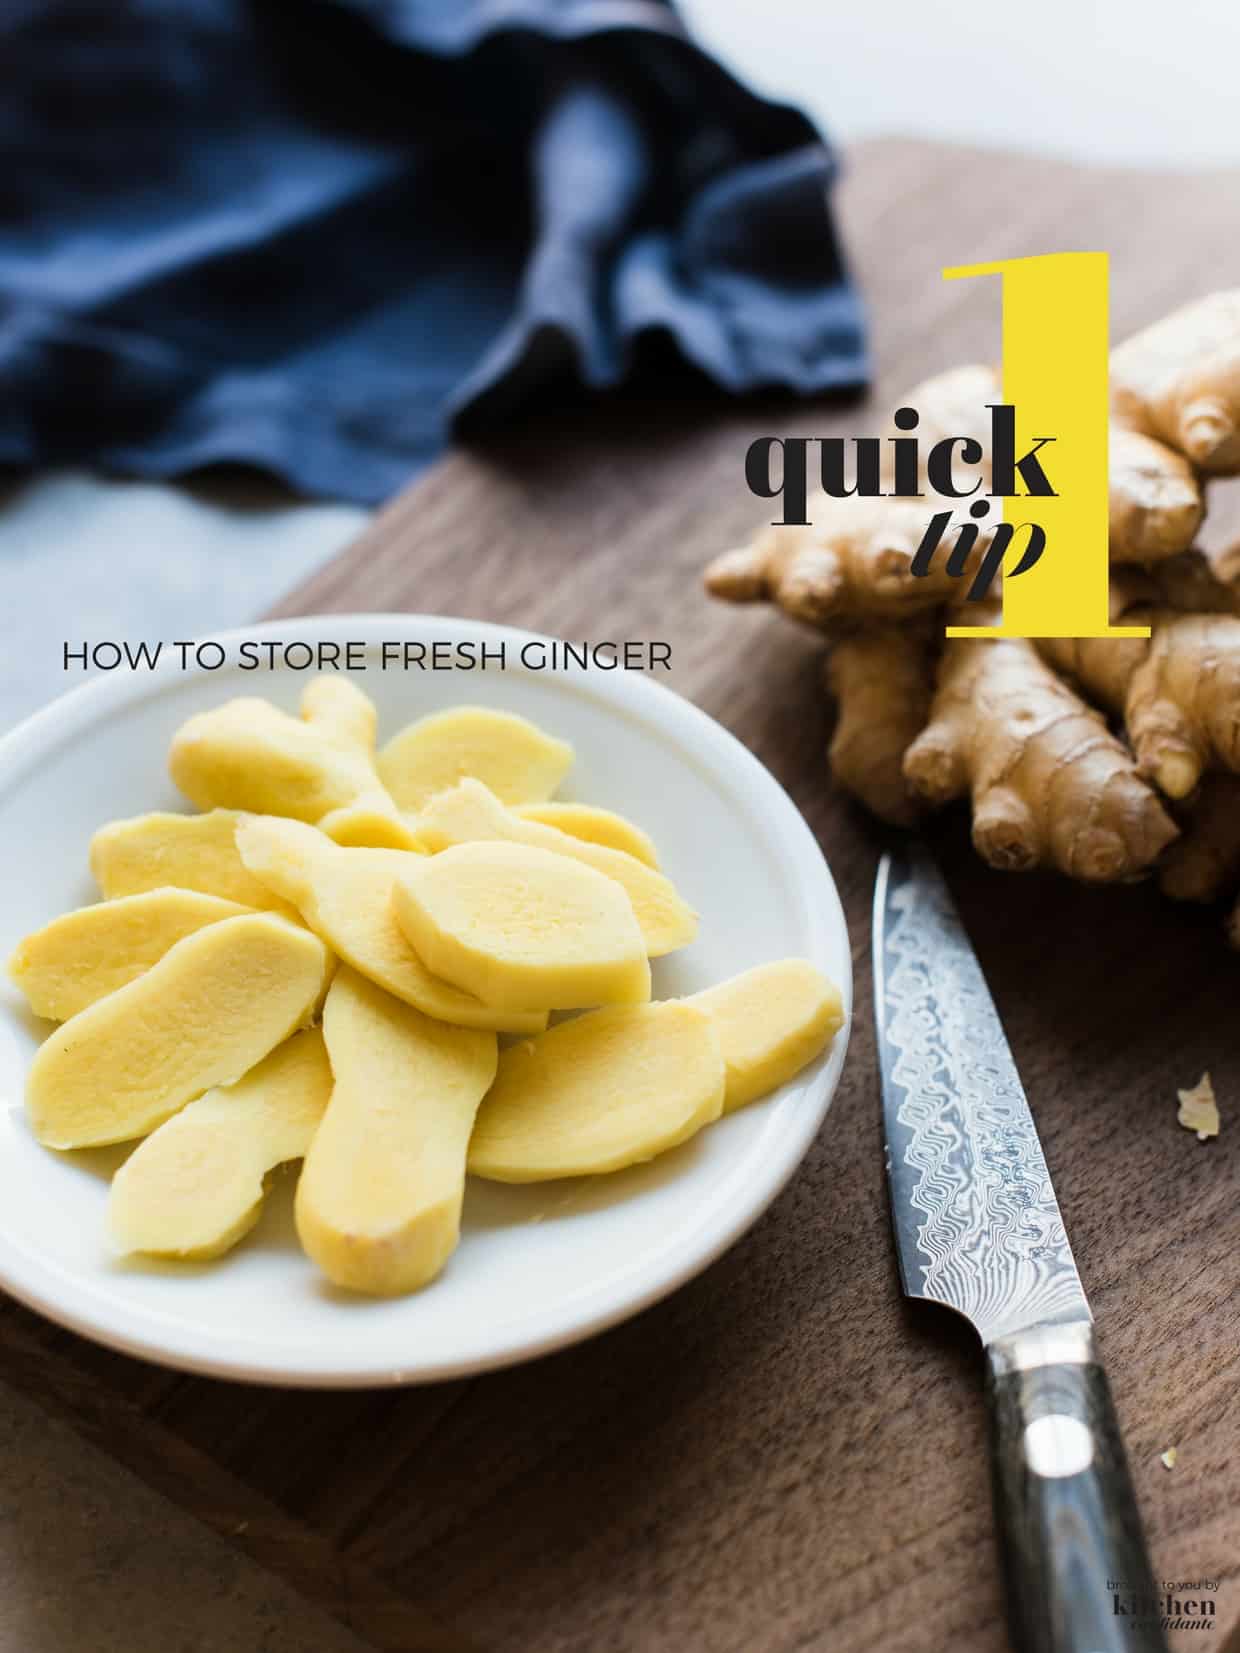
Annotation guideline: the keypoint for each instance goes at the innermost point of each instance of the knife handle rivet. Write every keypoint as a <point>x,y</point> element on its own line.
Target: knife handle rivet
<point>1058,1445</point>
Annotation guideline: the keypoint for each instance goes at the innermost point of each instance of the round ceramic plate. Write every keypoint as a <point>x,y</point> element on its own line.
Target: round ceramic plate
<point>539,1266</point>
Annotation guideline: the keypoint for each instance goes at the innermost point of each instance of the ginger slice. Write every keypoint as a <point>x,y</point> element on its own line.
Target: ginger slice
<point>249,755</point>
<point>190,852</point>
<point>1179,380</point>
<point>607,1090</point>
<point>215,1004</point>
<point>595,826</point>
<point>345,896</point>
<point>337,708</point>
<point>196,1185</point>
<point>468,812</point>
<point>511,756</point>
<point>1050,785</point>
<point>522,928</point>
<point>84,955</point>
<point>882,680</point>
<point>771,1022</point>
<point>378,1205</point>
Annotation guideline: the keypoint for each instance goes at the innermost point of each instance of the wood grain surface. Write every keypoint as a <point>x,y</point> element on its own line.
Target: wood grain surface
<point>786,1455</point>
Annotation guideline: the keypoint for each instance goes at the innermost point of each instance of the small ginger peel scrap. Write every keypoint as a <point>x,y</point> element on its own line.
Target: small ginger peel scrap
<point>1198,1109</point>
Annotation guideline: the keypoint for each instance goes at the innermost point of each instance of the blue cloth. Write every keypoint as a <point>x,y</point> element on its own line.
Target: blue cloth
<point>320,237</point>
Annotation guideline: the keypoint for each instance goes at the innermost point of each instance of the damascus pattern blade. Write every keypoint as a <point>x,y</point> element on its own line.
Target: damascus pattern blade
<point>976,1221</point>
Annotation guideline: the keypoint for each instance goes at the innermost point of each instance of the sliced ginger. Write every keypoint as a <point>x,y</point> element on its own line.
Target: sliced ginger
<point>493,906</point>
<point>211,1008</point>
<point>190,852</point>
<point>196,1185</point>
<point>523,928</point>
<point>379,1201</point>
<point>594,826</point>
<point>771,1022</point>
<point>511,756</point>
<point>345,896</point>
<point>606,1090</point>
<point>249,755</point>
<point>86,954</point>
<point>468,812</point>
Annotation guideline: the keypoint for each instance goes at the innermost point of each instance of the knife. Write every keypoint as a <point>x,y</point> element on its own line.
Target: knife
<point>978,1229</point>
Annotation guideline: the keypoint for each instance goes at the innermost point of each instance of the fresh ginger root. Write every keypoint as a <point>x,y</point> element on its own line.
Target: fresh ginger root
<point>1050,785</point>
<point>1179,381</point>
<point>1177,691</point>
<point>853,563</point>
<point>1204,862</point>
<point>1156,503</point>
<point>1022,728</point>
<point>881,679</point>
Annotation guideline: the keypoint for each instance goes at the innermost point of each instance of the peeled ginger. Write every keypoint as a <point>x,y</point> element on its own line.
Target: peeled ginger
<point>523,929</point>
<point>468,813</point>
<point>378,1205</point>
<point>595,826</point>
<point>607,1090</point>
<point>84,955</point>
<point>771,1022</point>
<point>248,754</point>
<point>212,1007</point>
<point>195,1186</point>
<point>189,852</point>
<point>345,896</point>
<point>508,754</point>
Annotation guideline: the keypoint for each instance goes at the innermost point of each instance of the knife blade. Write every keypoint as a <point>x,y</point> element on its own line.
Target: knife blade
<point>978,1229</point>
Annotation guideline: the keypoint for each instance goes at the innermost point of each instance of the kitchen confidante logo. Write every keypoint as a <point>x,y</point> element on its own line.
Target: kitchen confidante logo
<point>1047,461</point>
<point>1182,1605</point>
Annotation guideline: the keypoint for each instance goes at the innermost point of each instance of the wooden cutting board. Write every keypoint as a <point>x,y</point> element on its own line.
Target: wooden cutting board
<point>786,1455</point>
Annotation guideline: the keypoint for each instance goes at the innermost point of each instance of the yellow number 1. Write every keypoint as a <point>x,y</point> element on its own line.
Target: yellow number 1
<point>1055,374</point>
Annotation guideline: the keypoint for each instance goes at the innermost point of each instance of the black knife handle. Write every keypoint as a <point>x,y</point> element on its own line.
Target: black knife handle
<point>1078,1575</point>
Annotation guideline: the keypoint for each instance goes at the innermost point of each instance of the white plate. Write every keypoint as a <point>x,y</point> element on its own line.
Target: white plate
<point>538,1267</point>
